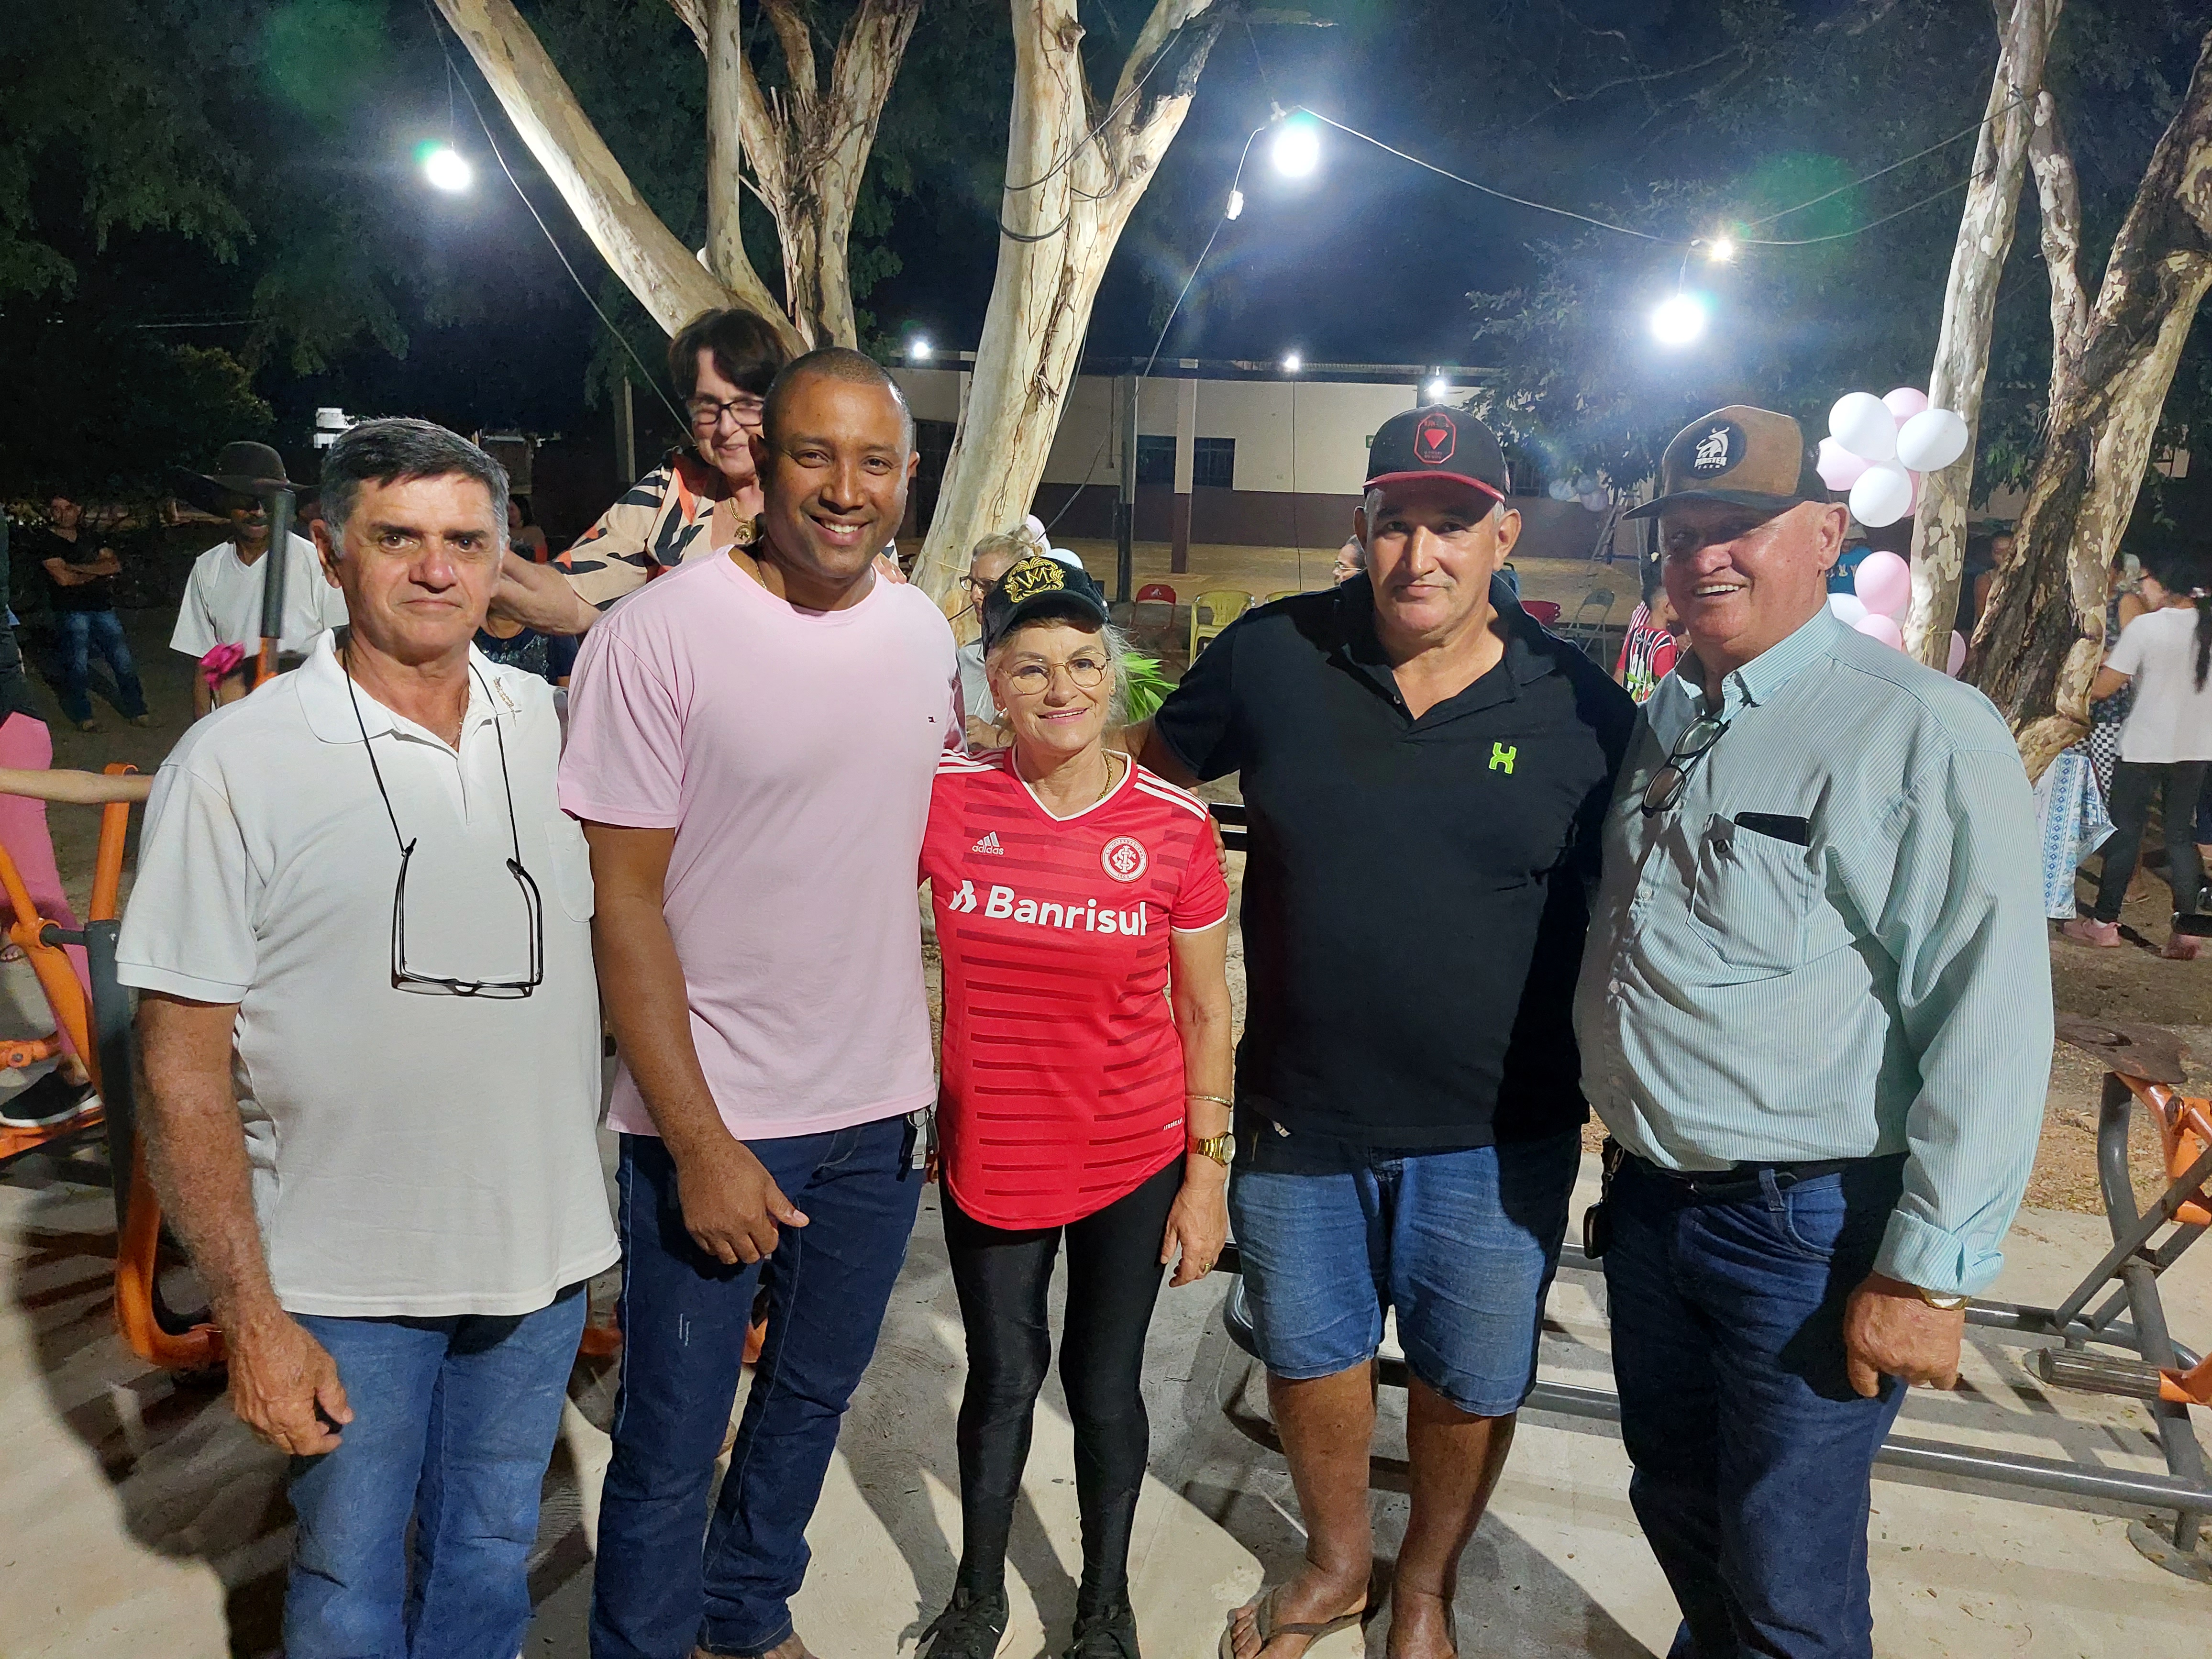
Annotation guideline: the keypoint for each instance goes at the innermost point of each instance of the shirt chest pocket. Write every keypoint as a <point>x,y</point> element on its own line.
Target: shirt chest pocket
<point>1752,897</point>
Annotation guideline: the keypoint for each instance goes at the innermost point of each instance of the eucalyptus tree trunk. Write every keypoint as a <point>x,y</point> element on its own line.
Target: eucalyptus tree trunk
<point>1970,300</point>
<point>1075,171</point>
<point>2042,638</point>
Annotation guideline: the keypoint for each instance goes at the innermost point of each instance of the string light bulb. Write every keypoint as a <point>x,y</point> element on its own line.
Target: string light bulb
<point>1720,249</point>
<point>918,349</point>
<point>1292,362</point>
<point>1678,319</point>
<point>446,169</point>
<point>1297,149</point>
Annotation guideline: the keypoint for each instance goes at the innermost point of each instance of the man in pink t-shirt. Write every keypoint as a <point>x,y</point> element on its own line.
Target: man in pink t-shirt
<point>751,742</point>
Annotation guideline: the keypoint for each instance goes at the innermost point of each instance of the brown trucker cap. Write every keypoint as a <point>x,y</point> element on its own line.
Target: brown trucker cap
<point>1743,456</point>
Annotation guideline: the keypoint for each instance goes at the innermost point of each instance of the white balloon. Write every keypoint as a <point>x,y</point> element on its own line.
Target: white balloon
<point>1562,490</point>
<point>1848,609</point>
<point>1861,423</point>
<point>1882,496</point>
<point>1931,439</point>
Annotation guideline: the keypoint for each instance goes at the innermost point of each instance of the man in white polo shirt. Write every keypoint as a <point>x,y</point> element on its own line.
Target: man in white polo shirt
<point>222,603</point>
<point>362,923</point>
<point>753,741</point>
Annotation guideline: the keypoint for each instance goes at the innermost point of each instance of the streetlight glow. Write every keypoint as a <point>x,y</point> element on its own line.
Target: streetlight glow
<point>1297,149</point>
<point>1721,249</point>
<point>1437,390</point>
<point>446,169</point>
<point>918,349</point>
<point>1678,319</point>
<point>1292,363</point>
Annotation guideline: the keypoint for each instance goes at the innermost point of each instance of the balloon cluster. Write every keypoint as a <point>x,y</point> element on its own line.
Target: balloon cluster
<point>1882,585</point>
<point>1878,448</point>
<point>1582,488</point>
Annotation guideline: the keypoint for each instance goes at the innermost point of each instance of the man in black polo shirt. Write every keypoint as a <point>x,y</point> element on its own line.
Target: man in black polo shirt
<point>1425,771</point>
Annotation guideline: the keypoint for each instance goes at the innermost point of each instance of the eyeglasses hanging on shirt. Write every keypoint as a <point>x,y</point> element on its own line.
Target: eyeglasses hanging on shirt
<point>1668,782</point>
<point>405,978</point>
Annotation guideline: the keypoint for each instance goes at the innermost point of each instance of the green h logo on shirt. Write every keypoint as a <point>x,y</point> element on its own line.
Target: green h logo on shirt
<point>1502,758</point>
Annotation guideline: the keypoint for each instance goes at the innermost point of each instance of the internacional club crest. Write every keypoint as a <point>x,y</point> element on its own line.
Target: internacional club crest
<point>1434,440</point>
<point>1124,858</point>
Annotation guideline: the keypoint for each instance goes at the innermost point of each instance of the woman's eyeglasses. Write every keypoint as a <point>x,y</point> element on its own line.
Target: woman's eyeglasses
<point>707,414</point>
<point>1669,781</point>
<point>1034,680</point>
<point>405,978</point>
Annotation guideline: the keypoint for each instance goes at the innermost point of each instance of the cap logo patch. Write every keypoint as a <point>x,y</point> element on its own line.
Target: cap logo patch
<point>1434,440</point>
<point>1719,449</point>
<point>1124,858</point>
<point>1031,576</point>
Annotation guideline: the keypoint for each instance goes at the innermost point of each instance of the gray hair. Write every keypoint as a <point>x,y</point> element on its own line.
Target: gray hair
<point>1116,641</point>
<point>396,451</point>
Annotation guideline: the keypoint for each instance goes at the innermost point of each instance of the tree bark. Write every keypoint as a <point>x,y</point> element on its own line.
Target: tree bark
<point>2038,647</point>
<point>1072,179</point>
<point>666,277</point>
<point>808,143</point>
<point>1970,298</point>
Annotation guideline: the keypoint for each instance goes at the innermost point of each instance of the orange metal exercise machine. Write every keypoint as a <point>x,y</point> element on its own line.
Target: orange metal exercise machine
<point>100,1032</point>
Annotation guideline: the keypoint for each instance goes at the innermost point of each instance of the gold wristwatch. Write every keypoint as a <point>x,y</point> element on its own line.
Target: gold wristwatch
<point>1220,1148</point>
<point>1945,1304</point>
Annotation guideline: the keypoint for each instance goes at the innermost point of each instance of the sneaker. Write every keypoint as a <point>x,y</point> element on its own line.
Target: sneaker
<point>141,720</point>
<point>1111,1635</point>
<point>971,1627</point>
<point>2083,931</point>
<point>2182,947</point>
<point>45,1103</point>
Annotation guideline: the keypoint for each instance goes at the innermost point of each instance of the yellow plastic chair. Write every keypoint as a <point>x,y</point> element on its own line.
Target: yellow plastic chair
<point>1212,612</point>
<point>1283,593</point>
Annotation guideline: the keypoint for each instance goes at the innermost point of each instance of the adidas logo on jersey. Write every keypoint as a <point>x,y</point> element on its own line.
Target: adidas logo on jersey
<point>988,844</point>
<point>1005,904</point>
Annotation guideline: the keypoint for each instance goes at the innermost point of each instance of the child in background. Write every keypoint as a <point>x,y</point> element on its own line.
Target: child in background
<point>1648,649</point>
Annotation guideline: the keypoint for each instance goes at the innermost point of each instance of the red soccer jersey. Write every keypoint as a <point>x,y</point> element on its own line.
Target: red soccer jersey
<point>1062,1081</point>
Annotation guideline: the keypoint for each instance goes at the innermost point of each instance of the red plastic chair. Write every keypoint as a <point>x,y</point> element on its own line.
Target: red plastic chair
<point>1153,594</point>
<point>1546,611</point>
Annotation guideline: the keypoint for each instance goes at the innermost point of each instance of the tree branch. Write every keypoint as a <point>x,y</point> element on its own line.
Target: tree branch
<point>794,35</point>
<point>726,73</point>
<point>2058,196</point>
<point>667,279</point>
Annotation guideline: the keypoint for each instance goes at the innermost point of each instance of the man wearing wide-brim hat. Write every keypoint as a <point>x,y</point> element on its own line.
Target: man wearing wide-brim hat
<point>223,596</point>
<point>1814,1014</point>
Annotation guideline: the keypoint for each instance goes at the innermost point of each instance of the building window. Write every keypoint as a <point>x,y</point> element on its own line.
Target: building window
<point>1214,463</point>
<point>1156,459</point>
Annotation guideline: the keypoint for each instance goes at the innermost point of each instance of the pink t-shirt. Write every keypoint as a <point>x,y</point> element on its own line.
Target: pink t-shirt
<point>792,751</point>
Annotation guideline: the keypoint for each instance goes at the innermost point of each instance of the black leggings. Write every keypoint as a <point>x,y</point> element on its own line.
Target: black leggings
<point>2175,786</point>
<point>1112,1279</point>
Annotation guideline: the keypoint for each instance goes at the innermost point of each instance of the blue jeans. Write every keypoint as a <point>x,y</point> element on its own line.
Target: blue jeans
<point>81,631</point>
<point>453,1424</point>
<point>684,1317</point>
<point>1461,1244</point>
<point>1752,1453</point>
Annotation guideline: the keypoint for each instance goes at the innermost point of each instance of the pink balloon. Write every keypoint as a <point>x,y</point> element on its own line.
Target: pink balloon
<point>1884,629</point>
<point>1906,402</point>
<point>1884,583</point>
<point>1838,468</point>
<point>1957,658</point>
<point>1914,507</point>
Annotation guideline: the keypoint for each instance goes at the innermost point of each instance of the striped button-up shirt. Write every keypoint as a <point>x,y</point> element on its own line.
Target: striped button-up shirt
<point>1869,975</point>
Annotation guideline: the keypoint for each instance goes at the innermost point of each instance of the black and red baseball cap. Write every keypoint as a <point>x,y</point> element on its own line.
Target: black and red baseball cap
<point>1439,442</point>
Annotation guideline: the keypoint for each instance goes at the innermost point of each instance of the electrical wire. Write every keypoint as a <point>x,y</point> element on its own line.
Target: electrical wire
<point>683,423</point>
<point>1941,143</point>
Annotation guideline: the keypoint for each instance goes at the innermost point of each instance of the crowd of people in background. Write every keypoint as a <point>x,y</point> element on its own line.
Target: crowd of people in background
<point>685,777</point>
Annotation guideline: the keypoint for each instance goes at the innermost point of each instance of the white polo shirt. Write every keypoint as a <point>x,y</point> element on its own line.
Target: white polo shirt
<point>222,601</point>
<point>413,1155</point>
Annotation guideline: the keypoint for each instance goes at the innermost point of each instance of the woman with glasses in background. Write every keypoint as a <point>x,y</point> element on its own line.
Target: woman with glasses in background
<point>1071,889</point>
<point>721,364</point>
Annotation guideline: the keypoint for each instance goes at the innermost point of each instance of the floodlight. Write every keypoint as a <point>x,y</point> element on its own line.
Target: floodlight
<point>1437,390</point>
<point>446,169</point>
<point>1678,319</point>
<point>918,349</point>
<point>1297,150</point>
<point>1292,363</point>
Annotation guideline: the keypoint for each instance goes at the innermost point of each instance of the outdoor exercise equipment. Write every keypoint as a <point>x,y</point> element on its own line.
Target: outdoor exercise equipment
<point>2119,1347</point>
<point>99,1031</point>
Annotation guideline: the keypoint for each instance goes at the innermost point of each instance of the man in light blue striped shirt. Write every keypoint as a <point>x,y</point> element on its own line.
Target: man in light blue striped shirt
<point>1814,1014</point>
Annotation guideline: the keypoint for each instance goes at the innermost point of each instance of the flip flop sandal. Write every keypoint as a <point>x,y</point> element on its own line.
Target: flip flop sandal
<point>1263,1619</point>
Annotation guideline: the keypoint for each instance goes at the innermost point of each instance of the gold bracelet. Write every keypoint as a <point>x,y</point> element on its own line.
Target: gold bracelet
<point>1216,1100</point>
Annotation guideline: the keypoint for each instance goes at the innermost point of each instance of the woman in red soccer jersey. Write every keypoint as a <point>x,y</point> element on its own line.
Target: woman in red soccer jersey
<point>1072,887</point>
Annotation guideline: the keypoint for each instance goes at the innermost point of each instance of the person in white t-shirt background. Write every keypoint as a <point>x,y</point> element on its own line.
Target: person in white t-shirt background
<point>2166,746</point>
<point>222,599</point>
<point>358,899</point>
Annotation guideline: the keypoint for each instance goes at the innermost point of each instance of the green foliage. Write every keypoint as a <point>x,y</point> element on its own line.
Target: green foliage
<point>1143,686</point>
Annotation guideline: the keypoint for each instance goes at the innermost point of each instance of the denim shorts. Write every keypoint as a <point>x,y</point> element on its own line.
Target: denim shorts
<point>1461,1244</point>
